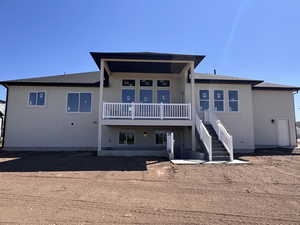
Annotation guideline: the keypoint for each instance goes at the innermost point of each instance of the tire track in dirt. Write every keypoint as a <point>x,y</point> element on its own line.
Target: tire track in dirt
<point>160,213</point>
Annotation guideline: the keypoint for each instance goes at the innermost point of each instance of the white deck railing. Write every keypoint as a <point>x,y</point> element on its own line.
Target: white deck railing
<point>170,145</point>
<point>204,136</point>
<point>146,111</point>
<point>221,131</point>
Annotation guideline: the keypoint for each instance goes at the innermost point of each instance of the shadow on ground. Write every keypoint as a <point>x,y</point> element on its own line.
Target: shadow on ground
<point>70,161</point>
<point>271,152</point>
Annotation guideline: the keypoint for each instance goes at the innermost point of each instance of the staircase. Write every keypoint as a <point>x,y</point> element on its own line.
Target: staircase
<point>189,154</point>
<point>219,153</point>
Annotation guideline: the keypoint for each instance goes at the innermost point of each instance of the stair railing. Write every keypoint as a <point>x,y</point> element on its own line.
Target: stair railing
<point>223,134</point>
<point>204,136</point>
<point>170,145</point>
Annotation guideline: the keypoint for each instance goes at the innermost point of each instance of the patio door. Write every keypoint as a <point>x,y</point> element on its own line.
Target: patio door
<point>128,95</point>
<point>163,96</point>
<point>146,96</point>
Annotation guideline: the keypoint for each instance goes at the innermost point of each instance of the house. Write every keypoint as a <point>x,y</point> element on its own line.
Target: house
<point>298,129</point>
<point>136,100</point>
<point>2,113</point>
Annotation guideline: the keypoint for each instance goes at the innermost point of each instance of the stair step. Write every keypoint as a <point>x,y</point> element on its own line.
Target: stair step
<point>218,148</point>
<point>220,158</point>
<point>219,151</point>
<point>217,145</point>
<point>220,154</point>
<point>192,155</point>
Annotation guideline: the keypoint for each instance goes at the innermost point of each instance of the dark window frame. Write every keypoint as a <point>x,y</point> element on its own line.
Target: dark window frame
<point>79,98</point>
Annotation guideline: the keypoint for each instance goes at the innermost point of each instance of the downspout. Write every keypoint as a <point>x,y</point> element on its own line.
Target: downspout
<point>5,116</point>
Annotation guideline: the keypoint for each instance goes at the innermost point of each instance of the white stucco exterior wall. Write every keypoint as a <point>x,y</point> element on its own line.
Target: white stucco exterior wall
<point>239,124</point>
<point>268,105</point>
<point>49,126</point>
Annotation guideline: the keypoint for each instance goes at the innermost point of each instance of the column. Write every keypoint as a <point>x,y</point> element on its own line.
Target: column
<point>100,107</point>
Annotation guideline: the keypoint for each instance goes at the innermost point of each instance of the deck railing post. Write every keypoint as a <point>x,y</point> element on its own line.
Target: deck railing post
<point>103,110</point>
<point>161,111</point>
<point>132,110</point>
<point>190,111</point>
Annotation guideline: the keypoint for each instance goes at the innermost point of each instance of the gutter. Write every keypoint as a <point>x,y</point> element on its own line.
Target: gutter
<point>5,116</point>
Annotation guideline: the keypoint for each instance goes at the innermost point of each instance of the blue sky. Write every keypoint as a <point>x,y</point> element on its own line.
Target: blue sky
<point>256,39</point>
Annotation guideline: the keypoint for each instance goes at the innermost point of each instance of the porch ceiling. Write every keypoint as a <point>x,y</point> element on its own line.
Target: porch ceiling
<point>145,67</point>
<point>160,61</point>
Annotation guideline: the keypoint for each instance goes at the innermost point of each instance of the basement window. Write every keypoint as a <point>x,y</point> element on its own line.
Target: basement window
<point>126,138</point>
<point>79,102</point>
<point>161,138</point>
<point>37,98</point>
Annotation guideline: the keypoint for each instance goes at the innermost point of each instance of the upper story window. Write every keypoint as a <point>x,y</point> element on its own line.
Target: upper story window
<point>79,102</point>
<point>146,83</point>
<point>37,98</point>
<point>163,83</point>
<point>128,83</point>
<point>233,100</point>
<point>204,100</point>
<point>219,100</point>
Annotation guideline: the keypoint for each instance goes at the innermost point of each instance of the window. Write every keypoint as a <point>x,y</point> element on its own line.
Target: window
<point>163,96</point>
<point>219,100</point>
<point>233,101</point>
<point>37,98</point>
<point>146,96</point>
<point>126,138</point>
<point>163,83</point>
<point>128,95</point>
<point>128,83</point>
<point>204,100</point>
<point>161,138</point>
<point>146,83</point>
<point>79,102</point>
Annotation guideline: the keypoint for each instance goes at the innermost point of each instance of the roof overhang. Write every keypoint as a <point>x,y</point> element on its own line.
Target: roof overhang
<point>145,62</point>
<point>277,88</point>
<point>229,81</point>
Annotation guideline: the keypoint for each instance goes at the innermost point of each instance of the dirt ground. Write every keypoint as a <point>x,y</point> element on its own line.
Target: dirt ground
<point>80,188</point>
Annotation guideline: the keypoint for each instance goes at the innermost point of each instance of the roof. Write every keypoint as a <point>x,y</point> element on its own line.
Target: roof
<point>272,86</point>
<point>140,66</point>
<point>75,79</point>
<point>209,78</point>
<point>91,79</point>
